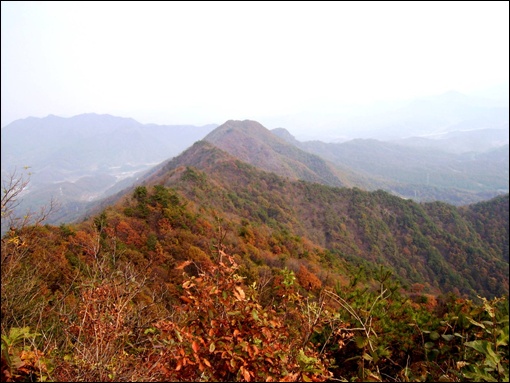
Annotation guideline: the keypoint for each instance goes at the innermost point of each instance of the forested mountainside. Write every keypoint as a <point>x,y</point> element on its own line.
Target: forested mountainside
<point>212,269</point>
<point>422,243</point>
<point>422,173</point>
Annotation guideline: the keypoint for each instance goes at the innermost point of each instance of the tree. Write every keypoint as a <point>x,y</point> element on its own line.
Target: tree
<point>19,282</point>
<point>12,188</point>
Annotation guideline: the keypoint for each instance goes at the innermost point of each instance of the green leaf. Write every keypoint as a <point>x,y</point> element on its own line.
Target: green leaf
<point>367,357</point>
<point>432,354</point>
<point>478,345</point>
<point>429,345</point>
<point>150,330</point>
<point>179,336</point>
<point>447,337</point>
<point>434,335</point>
<point>361,341</point>
<point>502,339</point>
<point>479,376</point>
<point>475,322</point>
<point>492,358</point>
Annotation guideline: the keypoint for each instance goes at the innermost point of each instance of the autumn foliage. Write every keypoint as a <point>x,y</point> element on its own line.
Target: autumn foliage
<point>159,288</point>
<point>222,333</point>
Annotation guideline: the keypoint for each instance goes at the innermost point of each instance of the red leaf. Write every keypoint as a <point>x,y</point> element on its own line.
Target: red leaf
<point>195,346</point>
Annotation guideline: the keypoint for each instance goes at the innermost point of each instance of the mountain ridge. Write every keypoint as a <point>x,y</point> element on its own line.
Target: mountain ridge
<point>351,223</point>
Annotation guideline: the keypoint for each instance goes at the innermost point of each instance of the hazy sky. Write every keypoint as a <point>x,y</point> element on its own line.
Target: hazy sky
<point>197,63</point>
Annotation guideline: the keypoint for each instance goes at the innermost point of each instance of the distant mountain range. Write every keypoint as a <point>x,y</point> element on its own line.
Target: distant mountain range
<point>461,155</point>
<point>418,172</point>
<point>87,157</point>
<point>460,141</point>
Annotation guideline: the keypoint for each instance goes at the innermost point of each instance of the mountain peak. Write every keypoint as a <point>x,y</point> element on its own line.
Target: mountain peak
<point>251,142</point>
<point>249,127</point>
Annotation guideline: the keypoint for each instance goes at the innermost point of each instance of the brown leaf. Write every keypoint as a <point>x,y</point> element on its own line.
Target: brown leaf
<point>246,374</point>
<point>183,265</point>
<point>241,292</point>
<point>290,377</point>
<point>179,365</point>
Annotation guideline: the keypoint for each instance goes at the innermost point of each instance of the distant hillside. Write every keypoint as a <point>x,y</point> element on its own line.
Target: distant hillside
<point>421,173</point>
<point>252,143</point>
<point>78,159</point>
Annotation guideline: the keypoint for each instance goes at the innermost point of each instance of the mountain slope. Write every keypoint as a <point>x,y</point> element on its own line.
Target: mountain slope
<point>422,243</point>
<point>252,143</point>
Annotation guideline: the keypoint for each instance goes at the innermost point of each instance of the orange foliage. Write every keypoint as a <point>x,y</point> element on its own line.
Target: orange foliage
<point>86,242</point>
<point>229,336</point>
<point>127,234</point>
<point>308,280</point>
